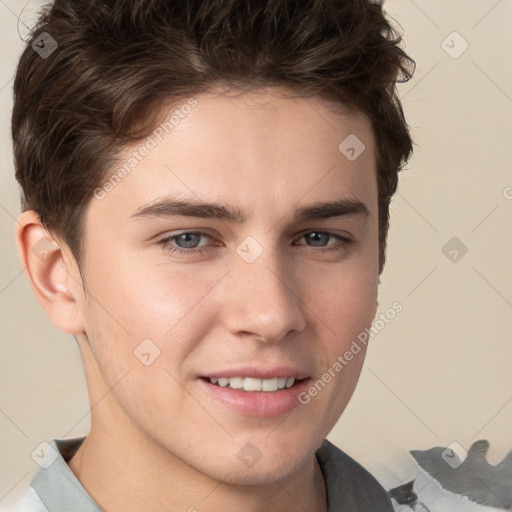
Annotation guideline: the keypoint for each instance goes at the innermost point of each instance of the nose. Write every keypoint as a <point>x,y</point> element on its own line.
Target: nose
<point>262,299</point>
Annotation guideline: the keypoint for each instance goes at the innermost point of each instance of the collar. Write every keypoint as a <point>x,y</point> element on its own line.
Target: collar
<point>55,483</point>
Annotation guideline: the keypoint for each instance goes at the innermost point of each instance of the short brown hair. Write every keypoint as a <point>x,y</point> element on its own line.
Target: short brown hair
<point>118,61</point>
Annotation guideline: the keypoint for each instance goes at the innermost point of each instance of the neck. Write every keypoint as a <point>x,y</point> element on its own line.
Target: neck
<point>130,473</point>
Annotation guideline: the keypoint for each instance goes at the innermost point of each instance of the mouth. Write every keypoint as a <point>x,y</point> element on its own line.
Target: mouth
<point>253,384</point>
<point>253,396</point>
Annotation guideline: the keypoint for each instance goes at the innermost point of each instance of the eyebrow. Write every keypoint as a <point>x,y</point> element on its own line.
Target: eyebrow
<point>169,207</point>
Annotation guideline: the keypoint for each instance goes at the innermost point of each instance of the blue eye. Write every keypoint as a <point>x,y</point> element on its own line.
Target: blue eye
<point>187,242</point>
<point>324,236</point>
<point>189,239</point>
<point>313,236</point>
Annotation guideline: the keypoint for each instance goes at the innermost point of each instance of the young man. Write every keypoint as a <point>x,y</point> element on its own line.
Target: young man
<point>205,192</point>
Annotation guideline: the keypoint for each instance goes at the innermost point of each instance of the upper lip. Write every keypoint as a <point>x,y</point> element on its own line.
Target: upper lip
<point>259,372</point>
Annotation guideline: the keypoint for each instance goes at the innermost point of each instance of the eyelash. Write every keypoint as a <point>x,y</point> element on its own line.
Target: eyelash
<point>172,249</point>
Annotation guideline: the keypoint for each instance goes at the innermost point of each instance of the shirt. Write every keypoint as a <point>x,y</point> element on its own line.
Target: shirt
<point>55,488</point>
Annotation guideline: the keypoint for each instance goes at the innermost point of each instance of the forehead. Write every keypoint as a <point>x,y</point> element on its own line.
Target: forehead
<point>257,150</point>
<point>272,120</point>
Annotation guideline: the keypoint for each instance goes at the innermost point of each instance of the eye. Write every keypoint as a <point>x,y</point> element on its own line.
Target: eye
<point>320,239</point>
<point>187,242</point>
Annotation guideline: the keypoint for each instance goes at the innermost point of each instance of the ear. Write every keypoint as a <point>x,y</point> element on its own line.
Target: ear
<point>52,271</point>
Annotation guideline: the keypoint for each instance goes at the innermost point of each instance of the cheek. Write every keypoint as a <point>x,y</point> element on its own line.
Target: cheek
<point>343,302</point>
<point>344,298</point>
<point>142,298</point>
<point>345,307</point>
<point>157,301</point>
<point>138,363</point>
<point>345,318</point>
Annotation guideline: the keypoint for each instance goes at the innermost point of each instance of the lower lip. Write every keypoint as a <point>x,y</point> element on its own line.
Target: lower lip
<point>263,404</point>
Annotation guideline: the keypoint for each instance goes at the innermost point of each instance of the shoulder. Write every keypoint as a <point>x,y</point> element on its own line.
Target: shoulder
<point>28,502</point>
<point>349,485</point>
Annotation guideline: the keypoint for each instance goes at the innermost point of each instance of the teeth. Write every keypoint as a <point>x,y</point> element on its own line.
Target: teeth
<point>253,384</point>
<point>269,385</point>
<point>223,382</point>
<point>236,382</point>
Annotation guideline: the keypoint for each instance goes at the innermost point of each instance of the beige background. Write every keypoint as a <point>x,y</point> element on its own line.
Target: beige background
<point>441,370</point>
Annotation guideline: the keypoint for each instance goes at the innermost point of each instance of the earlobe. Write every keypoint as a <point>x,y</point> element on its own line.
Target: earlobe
<point>52,281</point>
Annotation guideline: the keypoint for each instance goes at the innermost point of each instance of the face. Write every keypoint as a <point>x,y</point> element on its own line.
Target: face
<point>268,288</point>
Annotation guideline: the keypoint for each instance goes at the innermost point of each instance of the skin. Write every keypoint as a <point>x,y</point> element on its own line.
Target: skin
<point>157,440</point>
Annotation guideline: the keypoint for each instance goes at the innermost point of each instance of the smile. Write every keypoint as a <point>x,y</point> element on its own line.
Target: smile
<point>253,384</point>
<point>252,396</point>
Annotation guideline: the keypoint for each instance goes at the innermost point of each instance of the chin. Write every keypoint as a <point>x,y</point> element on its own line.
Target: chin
<point>267,472</point>
<point>264,459</point>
